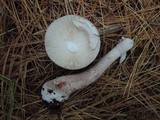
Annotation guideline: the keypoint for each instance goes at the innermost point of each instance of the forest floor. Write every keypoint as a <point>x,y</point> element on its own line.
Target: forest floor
<point>127,91</point>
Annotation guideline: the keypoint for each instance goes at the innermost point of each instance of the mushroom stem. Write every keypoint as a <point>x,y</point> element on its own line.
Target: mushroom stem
<point>84,79</point>
<point>71,83</point>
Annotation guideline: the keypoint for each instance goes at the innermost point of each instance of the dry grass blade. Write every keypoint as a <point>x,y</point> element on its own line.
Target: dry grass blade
<point>128,91</point>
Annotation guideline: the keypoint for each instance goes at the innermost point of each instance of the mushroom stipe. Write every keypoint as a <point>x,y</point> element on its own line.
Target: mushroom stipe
<point>59,89</point>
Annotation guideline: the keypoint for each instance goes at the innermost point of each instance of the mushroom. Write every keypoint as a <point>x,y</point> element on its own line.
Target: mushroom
<point>72,42</point>
<point>59,89</point>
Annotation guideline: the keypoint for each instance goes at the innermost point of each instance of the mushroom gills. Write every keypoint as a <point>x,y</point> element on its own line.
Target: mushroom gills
<point>69,41</point>
<point>83,24</point>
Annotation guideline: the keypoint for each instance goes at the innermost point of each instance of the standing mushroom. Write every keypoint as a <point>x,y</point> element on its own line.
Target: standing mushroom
<point>59,89</point>
<point>71,39</point>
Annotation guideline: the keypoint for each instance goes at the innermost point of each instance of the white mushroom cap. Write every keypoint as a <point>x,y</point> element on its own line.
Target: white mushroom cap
<point>72,42</point>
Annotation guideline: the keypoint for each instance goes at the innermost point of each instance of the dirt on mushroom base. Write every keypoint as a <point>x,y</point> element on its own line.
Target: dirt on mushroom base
<point>127,91</point>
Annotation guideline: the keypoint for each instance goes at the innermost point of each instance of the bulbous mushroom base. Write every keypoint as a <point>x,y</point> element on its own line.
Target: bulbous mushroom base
<point>52,94</point>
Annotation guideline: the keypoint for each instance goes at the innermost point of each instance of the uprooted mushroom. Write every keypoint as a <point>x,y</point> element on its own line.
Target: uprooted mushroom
<point>59,89</point>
